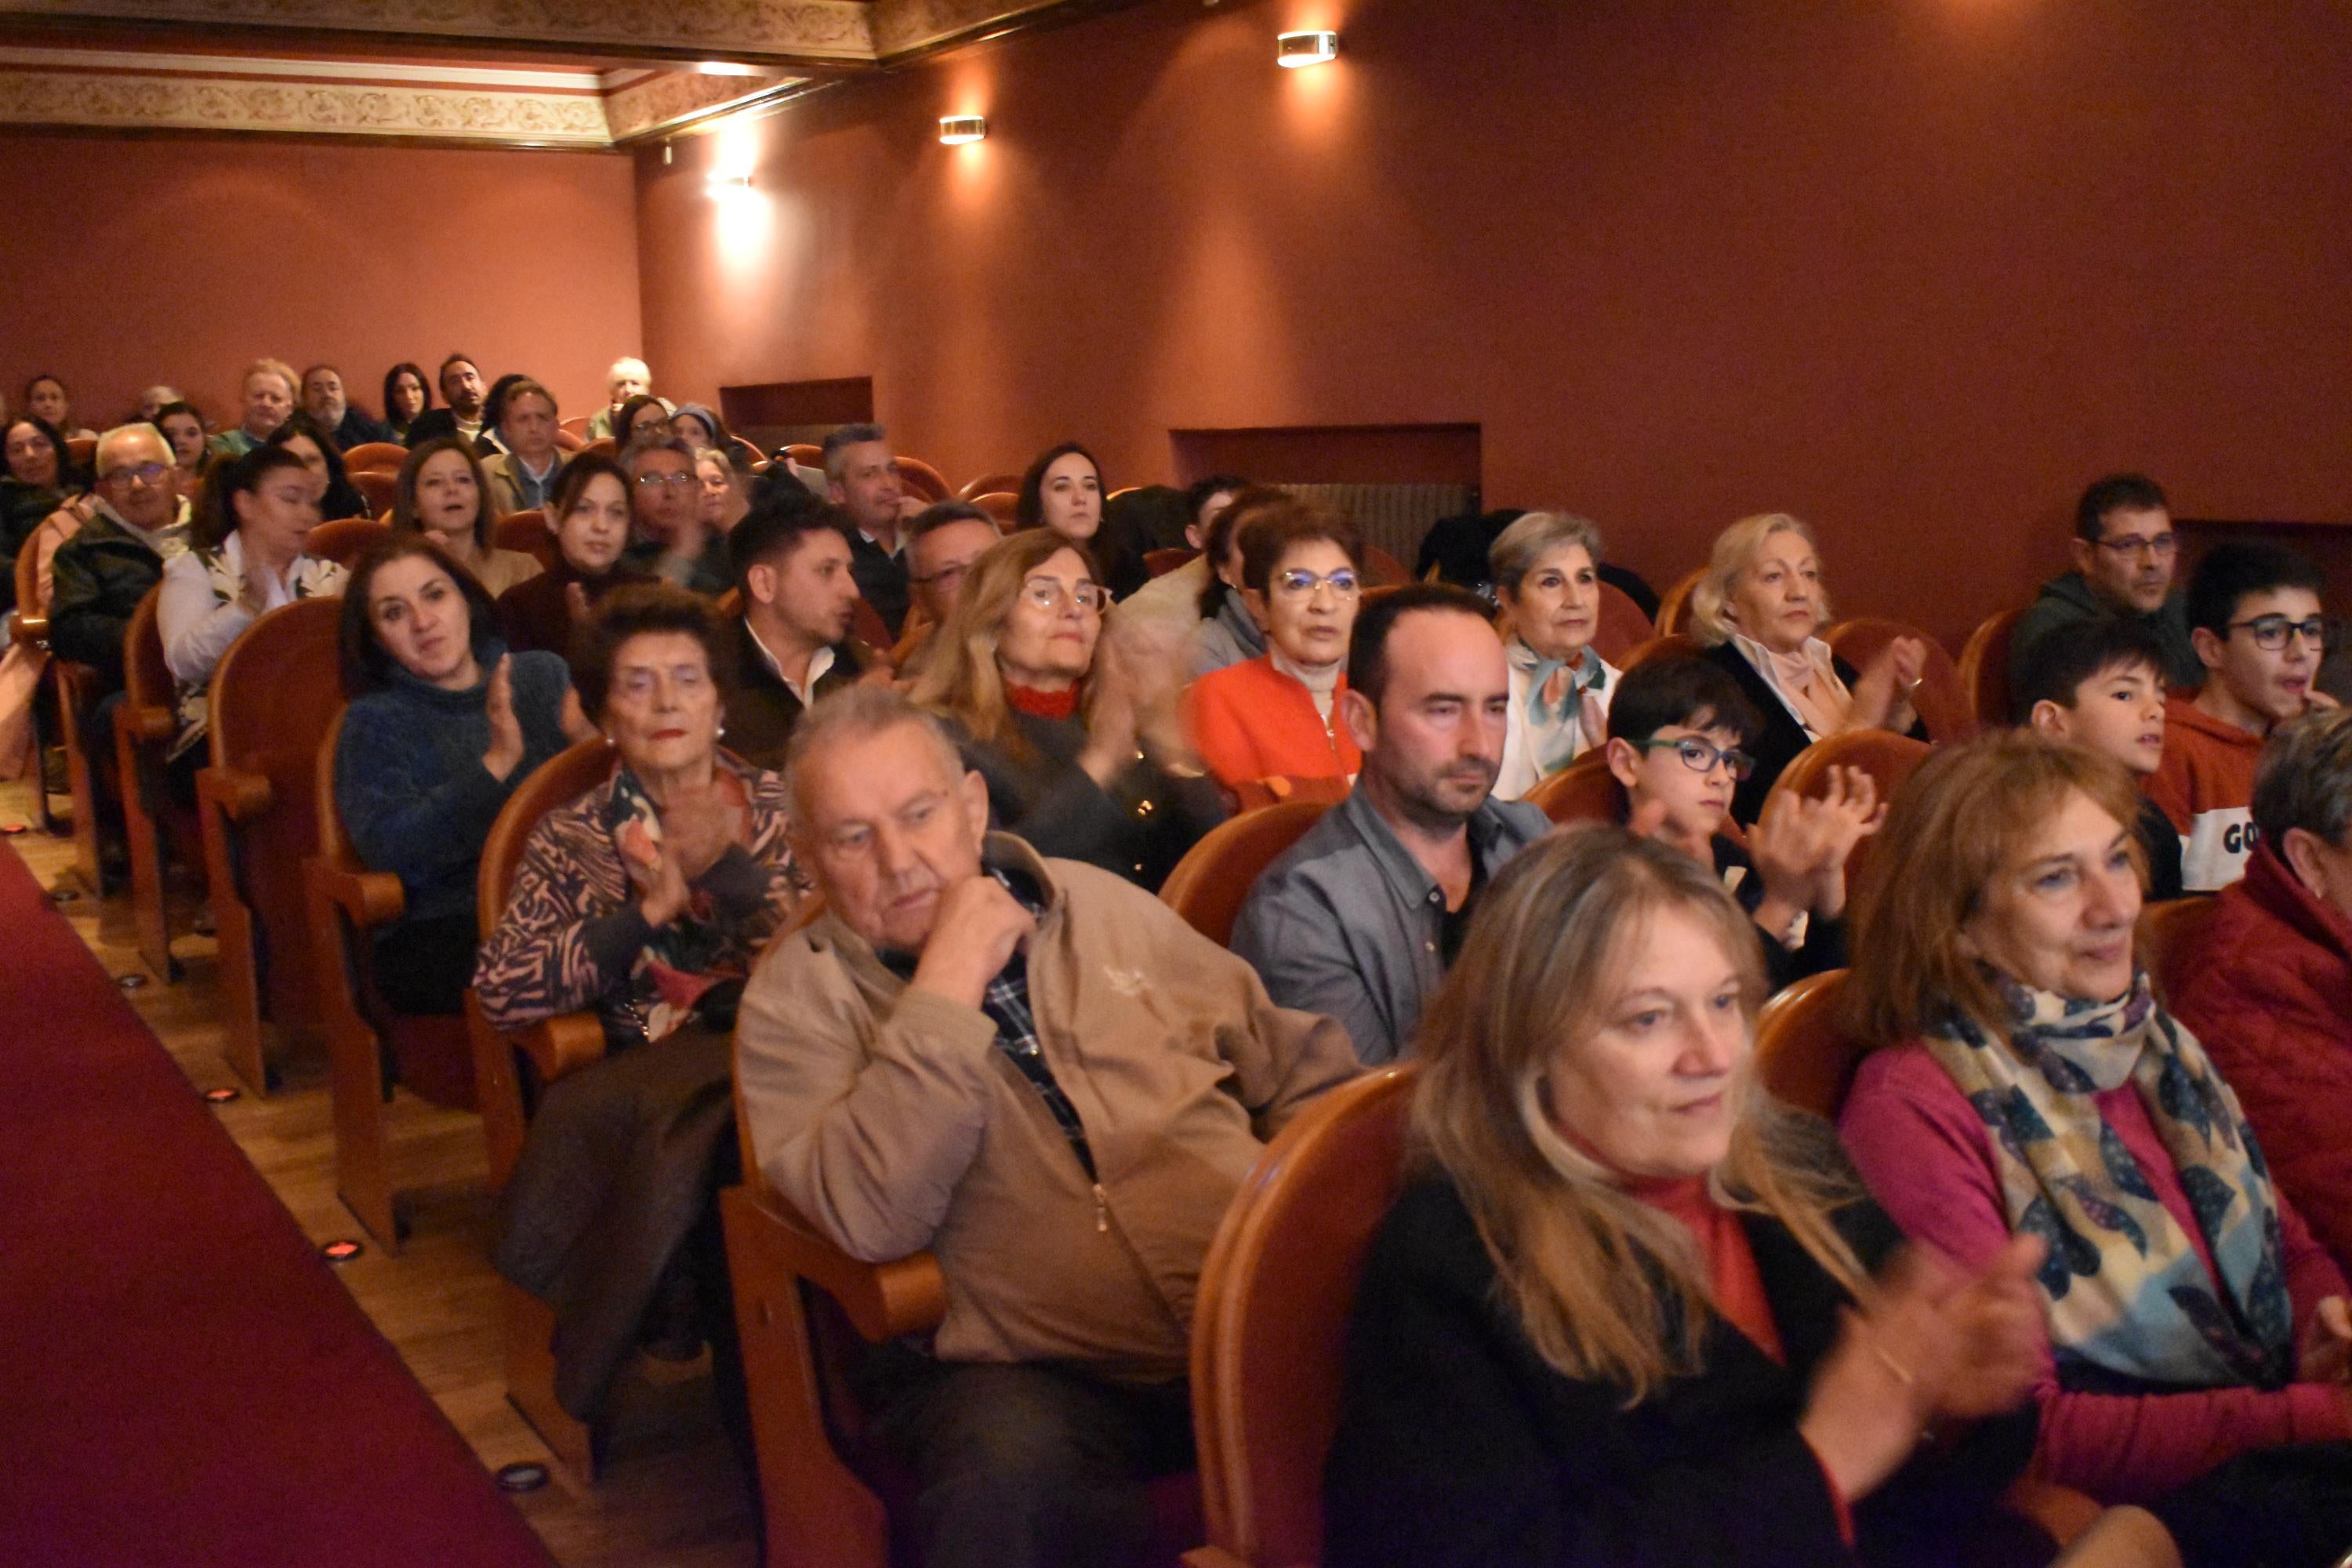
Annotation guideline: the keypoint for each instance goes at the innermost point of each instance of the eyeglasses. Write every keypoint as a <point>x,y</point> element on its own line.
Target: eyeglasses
<point>2271,632</point>
<point>1298,583</point>
<point>674,482</point>
<point>144,474</point>
<point>2161,546</point>
<point>1701,756</point>
<point>1048,594</point>
<point>947,574</point>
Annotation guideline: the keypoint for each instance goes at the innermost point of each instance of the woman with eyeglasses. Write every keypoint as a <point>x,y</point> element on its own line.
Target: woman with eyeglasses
<point>642,418</point>
<point>1759,611</point>
<point>1677,730</point>
<point>1268,727</point>
<point>1078,738</point>
<point>1547,572</point>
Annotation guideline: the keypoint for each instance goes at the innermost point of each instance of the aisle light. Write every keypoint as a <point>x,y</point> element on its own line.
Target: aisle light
<point>1295,50</point>
<point>957,130</point>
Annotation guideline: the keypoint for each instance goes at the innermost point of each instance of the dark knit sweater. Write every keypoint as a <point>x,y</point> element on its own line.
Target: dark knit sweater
<point>409,782</point>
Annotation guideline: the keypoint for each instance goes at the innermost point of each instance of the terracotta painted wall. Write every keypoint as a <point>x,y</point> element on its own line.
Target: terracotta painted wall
<point>132,261</point>
<point>1915,269</point>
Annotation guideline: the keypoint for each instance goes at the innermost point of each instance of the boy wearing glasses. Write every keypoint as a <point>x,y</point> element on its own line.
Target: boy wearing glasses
<point>2125,553</point>
<point>2255,611</point>
<point>2100,683</point>
<point>1676,731</point>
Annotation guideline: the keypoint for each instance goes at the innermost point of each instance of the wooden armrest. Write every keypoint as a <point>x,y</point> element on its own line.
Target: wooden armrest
<point>240,796</point>
<point>2061,1511</point>
<point>2123,1537</point>
<point>561,1045</point>
<point>31,632</point>
<point>882,1300</point>
<point>145,726</point>
<point>368,899</point>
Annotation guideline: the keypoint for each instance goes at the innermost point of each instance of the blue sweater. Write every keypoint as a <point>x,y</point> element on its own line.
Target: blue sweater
<point>409,782</point>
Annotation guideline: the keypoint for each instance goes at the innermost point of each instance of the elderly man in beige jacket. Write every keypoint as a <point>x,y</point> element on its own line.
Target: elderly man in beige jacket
<point>1042,1074</point>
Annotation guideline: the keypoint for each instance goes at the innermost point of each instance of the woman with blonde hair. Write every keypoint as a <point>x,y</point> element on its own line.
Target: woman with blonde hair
<point>1625,1312</point>
<point>1078,737</point>
<point>2030,1083</point>
<point>1759,613</point>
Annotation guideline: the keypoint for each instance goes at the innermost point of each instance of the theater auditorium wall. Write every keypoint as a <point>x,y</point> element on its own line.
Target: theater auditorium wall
<point>1913,269</point>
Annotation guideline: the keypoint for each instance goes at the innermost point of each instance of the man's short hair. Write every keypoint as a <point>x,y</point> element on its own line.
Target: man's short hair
<point>774,529</point>
<point>627,362</point>
<point>2055,665</point>
<point>1681,690</point>
<point>840,440</point>
<point>2116,492</point>
<point>1368,644</point>
<point>940,514</point>
<point>524,386</point>
<point>2233,573</point>
<point>633,457</point>
<point>2304,779</point>
<point>857,711</point>
<point>122,432</point>
<point>316,369</point>
<point>1197,493</point>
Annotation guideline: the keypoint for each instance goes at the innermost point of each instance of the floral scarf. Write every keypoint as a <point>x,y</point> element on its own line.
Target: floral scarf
<point>2128,1295</point>
<point>1552,713</point>
<point>686,959</point>
<point>308,578</point>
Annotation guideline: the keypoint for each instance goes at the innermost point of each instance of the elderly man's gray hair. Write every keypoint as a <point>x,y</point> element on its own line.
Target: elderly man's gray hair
<point>856,712</point>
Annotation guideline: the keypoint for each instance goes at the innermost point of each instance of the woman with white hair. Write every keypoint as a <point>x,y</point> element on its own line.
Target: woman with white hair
<point>1547,570</point>
<point>1760,612</point>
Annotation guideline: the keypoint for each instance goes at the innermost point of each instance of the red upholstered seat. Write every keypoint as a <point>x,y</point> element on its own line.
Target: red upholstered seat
<point>1889,758</point>
<point>1984,669</point>
<point>1623,626</point>
<point>1211,882</point>
<point>1942,699</point>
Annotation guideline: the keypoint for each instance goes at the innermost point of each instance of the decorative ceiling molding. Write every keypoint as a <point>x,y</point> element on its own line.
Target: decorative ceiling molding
<point>675,98</point>
<point>126,101</point>
<point>903,28</point>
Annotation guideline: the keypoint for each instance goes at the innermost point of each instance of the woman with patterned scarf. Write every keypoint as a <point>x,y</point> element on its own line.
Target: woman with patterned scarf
<point>2199,1338</point>
<point>1547,570</point>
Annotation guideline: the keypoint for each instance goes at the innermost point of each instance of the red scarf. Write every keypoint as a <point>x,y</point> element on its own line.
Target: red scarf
<point>1062,704</point>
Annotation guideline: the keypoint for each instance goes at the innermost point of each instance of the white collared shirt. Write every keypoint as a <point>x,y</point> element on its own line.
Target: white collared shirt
<point>819,663</point>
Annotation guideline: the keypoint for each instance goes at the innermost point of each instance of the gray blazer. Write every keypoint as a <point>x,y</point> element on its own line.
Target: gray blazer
<point>1347,922</point>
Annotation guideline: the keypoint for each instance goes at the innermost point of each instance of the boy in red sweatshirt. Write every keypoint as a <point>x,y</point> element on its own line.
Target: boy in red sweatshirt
<point>2254,617</point>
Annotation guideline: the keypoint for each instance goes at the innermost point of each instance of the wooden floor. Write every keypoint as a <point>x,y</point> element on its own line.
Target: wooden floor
<point>671,1493</point>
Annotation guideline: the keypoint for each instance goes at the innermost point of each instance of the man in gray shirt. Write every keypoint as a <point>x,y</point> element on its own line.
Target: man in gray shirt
<point>1360,917</point>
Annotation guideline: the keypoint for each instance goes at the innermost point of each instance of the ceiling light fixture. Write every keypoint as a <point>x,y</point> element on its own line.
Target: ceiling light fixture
<point>957,130</point>
<point>725,67</point>
<point>1295,50</point>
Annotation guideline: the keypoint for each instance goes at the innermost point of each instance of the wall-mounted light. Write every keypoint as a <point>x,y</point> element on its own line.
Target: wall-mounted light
<point>1297,49</point>
<point>955,130</point>
<point>725,67</point>
<point>729,185</point>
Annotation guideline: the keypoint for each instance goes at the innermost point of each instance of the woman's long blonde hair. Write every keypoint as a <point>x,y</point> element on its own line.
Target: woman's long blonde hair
<point>1735,552</point>
<point>961,678</point>
<point>1606,1287</point>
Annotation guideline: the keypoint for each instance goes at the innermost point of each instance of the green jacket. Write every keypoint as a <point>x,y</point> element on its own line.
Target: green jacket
<point>2069,598</point>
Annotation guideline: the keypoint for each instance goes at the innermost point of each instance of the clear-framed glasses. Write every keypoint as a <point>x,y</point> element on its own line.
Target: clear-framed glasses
<point>1299,583</point>
<point>2271,632</point>
<point>1048,594</point>
<point>2161,546</point>
<point>143,473</point>
<point>1700,756</point>
<point>950,572</point>
<point>650,482</point>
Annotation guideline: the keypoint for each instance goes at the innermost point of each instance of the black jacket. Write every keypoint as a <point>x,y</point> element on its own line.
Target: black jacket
<point>97,579</point>
<point>22,509</point>
<point>1825,948</point>
<point>1783,738</point>
<point>1139,826</point>
<point>1459,1447</point>
<point>761,709</point>
<point>436,422</point>
<point>881,578</point>
<point>357,430</point>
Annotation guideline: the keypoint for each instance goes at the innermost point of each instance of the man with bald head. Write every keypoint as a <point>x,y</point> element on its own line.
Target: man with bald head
<point>1040,1073</point>
<point>1361,916</point>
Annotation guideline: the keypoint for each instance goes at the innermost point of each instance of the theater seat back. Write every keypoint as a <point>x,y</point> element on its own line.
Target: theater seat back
<point>345,540</point>
<point>1210,884</point>
<point>1943,703</point>
<point>1584,791</point>
<point>1270,1331</point>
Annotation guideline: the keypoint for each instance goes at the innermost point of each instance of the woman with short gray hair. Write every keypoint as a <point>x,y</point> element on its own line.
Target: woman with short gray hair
<point>1547,568</point>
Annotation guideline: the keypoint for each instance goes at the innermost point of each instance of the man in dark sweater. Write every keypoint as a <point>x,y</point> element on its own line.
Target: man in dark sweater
<point>323,399</point>
<point>862,478</point>
<point>2124,554</point>
<point>792,561</point>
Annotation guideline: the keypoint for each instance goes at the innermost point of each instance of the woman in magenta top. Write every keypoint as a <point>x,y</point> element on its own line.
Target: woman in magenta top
<point>2195,1329</point>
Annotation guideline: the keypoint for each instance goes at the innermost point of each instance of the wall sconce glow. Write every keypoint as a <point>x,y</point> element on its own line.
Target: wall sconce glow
<point>957,130</point>
<point>729,185</point>
<point>1295,50</point>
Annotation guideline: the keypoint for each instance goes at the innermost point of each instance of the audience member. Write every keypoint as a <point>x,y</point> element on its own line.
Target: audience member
<point>1273,722</point>
<point>791,557</point>
<point>1069,1200</point>
<point>862,478</point>
<point>2125,554</point>
<point>640,420</point>
<point>1624,1310</point>
<point>2030,1083</point>
<point>443,494</point>
<point>324,401</point>
<point>1063,490</point>
<point>943,539</point>
<point>108,565</point>
<point>523,473</point>
<point>2268,984</point>
<point>443,724</point>
<point>302,436</point>
<point>1675,737</point>
<point>35,486</point>
<point>492,441</point>
<point>183,428</point>
<point>265,397</point>
<point>628,378</point>
<point>1077,739</point>
<point>153,401</point>
<point>723,494</point>
<point>462,396</point>
<point>700,426</point>
<point>1360,920</point>
<point>1175,595</point>
<point>1759,611</point>
<point>246,559</point>
<point>407,395</point>
<point>2099,682</point>
<point>589,517</point>
<point>2254,616</point>
<point>1227,633</point>
<point>669,539</point>
<point>1546,573</point>
<point>45,398</point>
